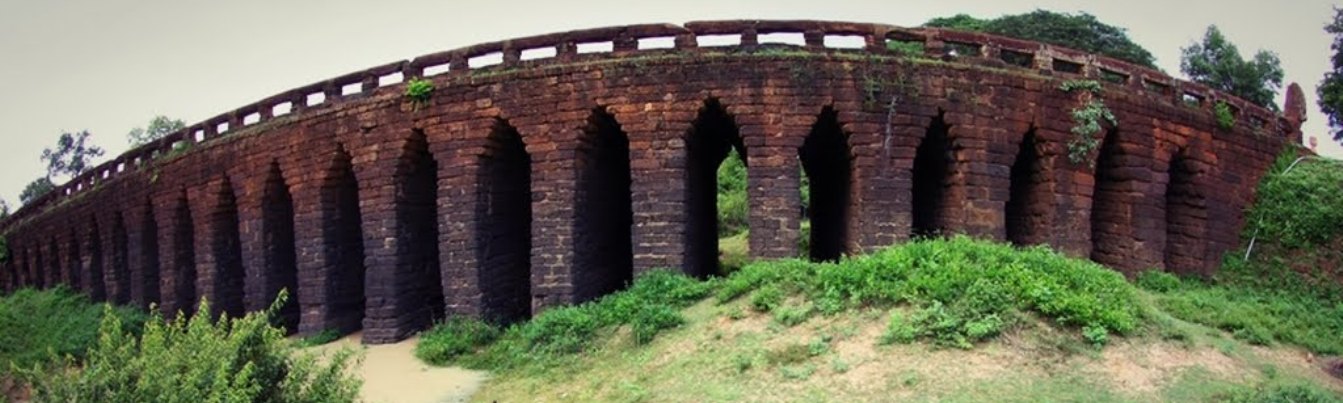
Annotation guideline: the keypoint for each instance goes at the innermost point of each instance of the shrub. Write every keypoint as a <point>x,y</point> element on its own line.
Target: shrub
<point>767,298</point>
<point>450,339</point>
<point>37,324</point>
<point>419,90</point>
<point>197,359</point>
<point>792,315</point>
<point>320,338</point>
<point>1153,280</point>
<point>899,330</point>
<point>1298,208</point>
<point>733,207</point>
<point>1225,118</point>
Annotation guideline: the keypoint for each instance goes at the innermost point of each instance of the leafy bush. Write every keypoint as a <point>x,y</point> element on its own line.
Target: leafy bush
<point>450,339</point>
<point>1225,119</point>
<point>419,90</point>
<point>1297,393</point>
<point>1159,281</point>
<point>37,324</point>
<point>1259,314</point>
<point>1300,208</point>
<point>320,338</point>
<point>766,298</point>
<point>196,359</point>
<point>965,290</point>
<point>906,49</point>
<point>733,207</point>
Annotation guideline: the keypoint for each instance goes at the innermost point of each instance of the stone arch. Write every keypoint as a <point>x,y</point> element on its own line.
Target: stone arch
<point>417,212</point>
<point>279,248</point>
<point>1186,215</point>
<point>1107,203</point>
<point>503,231</point>
<point>603,213</point>
<point>713,135</point>
<point>95,284</point>
<point>1028,194</point>
<point>930,177</point>
<point>828,164</point>
<point>226,251</point>
<point>342,228</point>
<point>119,267</point>
<point>184,256</point>
<point>70,271</point>
<point>149,258</point>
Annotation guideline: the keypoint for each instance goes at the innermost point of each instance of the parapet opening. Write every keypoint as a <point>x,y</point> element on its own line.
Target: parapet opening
<point>828,165</point>
<point>503,232</point>
<point>715,163</point>
<point>931,174</point>
<point>184,257</point>
<point>120,268</point>
<point>97,288</point>
<point>149,258</point>
<point>281,260</point>
<point>342,232</point>
<point>1186,217</point>
<point>1107,207</point>
<point>226,248</point>
<point>417,213</point>
<point>1028,198</point>
<point>603,251</point>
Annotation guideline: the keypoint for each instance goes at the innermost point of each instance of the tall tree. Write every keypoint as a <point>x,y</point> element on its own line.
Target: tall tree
<point>1215,62</point>
<point>72,155</point>
<point>1080,31</point>
<point>1331,88</point>
<point>4,209</point>
<point>36,189</point>
<point>158,127</point>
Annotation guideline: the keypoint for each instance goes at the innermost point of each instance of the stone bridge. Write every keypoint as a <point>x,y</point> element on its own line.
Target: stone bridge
<point>553,169</point>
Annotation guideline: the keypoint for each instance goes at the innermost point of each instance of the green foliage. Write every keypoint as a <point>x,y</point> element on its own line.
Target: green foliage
<point>4,209</point>
<point>1300,208</point>
<point>71,156</point>
<point>793,315</point>
<point>197,359</point>
<point>1087,117</point>
<point>1293,393</point>
<point>899,330</point>
<point>36,189</point>
<point>1330,90</point>
<point>964,290</point>
<point>418,91</point>
<point>37,324</point>
<point>767,298</point>
<point>159,127</point>
<point>1159,281</point>
<point>650,305</point>
<point>789,354</point>
<point>4,249</point>
<point>733,208</point>
<point>1078,31</point>
<point>323,337</point>
<point>906,49</point>
<point>734,252</point>
<point>1225,119</point>
<point>1217,63</point>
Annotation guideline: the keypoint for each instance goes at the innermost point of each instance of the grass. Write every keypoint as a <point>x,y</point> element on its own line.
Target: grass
<point>40,324</point>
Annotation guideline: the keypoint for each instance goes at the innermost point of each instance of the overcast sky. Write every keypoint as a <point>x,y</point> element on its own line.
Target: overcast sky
<point>109,65</point>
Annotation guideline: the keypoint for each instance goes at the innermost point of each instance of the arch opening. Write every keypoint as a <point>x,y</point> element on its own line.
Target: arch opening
<point>119,268</point>
<point>149,258</point>
<point>226,248</point>
<point>184,257</point>
<point>930,176</point>
<point>828,166</point>
<point>1186,217</point>
<point>1028,197</point>
<point>1107,203</point>
<point>715,165</point>
<point>504,239</point>
<point>279,249</point>
<point>342,229</point>
<point>97,288</point>
<point>417,175</point>
<point>603,250</point>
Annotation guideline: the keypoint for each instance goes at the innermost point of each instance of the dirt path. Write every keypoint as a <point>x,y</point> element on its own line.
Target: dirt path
<point>392,374</point>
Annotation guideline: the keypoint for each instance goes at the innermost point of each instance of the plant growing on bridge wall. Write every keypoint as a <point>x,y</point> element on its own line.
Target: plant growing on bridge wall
<point>4,250</point>
<point>1225,119</point>
<point>1087,117</point>
<point>418,91</point>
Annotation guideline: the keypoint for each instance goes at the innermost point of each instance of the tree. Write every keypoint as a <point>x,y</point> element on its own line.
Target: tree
<point>1331,88</point>
<point>159,127</point>
<point>71,156</point>
<point>36,189</point>
<point>1216,63</point>
<point>1081,31</point>
<point>4,209</point>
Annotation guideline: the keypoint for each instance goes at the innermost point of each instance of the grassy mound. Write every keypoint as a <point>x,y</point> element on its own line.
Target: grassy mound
<point>38,324</point>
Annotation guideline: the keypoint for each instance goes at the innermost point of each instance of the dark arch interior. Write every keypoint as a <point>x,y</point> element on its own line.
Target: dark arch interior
<point>828,166</point>
<point>1106,202</point>
<point>932,167</point>
<point>1185,217</point>
<point>503,233</point>
<point>712,136</point>
<point>281,261</point>
<point>418,213</point>
<point>603,253</point>
<point>119,268</point>
<point>1027,195</point>
<point>343,230</point>
<point>149,257</point>
<point>97,288</point>
<point>226,246</point>
<point>52,265</point>
<point>184,257</point>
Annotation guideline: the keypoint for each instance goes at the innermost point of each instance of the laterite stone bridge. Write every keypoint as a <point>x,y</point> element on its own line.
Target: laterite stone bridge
<point>553,169</point>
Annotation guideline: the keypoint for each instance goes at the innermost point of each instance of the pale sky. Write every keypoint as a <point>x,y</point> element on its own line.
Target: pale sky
<point>110,65</point>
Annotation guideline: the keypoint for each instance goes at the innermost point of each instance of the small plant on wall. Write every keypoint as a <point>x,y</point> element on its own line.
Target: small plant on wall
<point>1087,117</point>
<point>1225,118</point>
<point>418,91</point>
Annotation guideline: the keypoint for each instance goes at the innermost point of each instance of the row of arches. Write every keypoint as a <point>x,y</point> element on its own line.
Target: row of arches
<point>603,218</point>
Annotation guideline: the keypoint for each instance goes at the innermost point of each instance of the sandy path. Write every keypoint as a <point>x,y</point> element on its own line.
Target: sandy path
<point>392,374</point>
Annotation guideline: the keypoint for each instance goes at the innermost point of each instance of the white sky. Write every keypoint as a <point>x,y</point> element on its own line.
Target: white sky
<point>111,65</point>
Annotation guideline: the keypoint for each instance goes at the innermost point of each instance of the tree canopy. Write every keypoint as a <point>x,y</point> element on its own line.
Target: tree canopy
<point>1216,63</point>
<point>36,189</point>
<point>1080,31</point>
<point>158,127</point>
<point>1331,88</point>
<point>71,156</point>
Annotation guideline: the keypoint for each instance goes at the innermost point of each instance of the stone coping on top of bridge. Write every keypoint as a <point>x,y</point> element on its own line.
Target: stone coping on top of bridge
<point>624,41</point>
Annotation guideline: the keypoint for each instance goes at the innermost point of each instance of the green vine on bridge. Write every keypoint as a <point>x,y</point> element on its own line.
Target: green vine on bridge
<point>1087,117</point>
